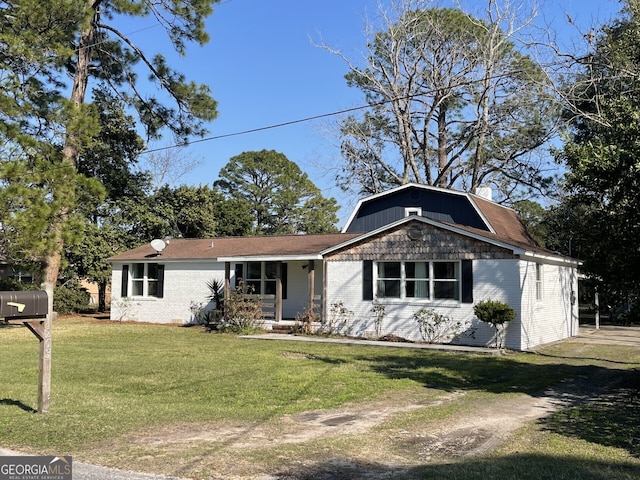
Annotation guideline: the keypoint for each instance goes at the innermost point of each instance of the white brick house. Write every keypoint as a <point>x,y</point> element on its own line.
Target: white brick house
<point>411,248</point>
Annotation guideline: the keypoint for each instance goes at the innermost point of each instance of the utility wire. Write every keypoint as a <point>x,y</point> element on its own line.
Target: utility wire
<point>268,127</point>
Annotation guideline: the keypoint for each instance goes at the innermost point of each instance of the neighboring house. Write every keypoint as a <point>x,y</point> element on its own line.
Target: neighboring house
<point>93,290</point>
<point>410,248</point>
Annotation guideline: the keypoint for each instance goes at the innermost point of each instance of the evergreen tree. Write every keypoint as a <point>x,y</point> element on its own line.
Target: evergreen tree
<point>45,124</point>
<point>282,198</point>
<point>600,218</point>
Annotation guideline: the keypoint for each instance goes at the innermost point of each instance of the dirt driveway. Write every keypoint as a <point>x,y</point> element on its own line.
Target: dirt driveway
<point>364,441</point>
<point>610,335</point>
<point>303,446</point>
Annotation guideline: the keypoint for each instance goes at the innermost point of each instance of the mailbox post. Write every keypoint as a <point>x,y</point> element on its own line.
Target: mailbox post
<point>33,310</point>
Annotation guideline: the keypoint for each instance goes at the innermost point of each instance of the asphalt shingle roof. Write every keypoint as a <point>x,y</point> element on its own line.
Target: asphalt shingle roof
<point>213,248</point>
<point>504,221</point>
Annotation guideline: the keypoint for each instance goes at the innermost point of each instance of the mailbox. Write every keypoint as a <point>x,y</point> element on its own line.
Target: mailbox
<point>29,304</point>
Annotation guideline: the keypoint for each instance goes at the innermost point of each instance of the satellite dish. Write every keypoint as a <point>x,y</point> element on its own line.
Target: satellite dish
<point>158,245</point>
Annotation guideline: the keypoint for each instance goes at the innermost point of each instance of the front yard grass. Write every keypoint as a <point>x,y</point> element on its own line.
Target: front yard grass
<point>116,381</point>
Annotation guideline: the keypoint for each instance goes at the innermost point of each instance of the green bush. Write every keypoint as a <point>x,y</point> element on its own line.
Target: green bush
<point>496,313</point>
<point>13,285</point>
<point>70,298</point>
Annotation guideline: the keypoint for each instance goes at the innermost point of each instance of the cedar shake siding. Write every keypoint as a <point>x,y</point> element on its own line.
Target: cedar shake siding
<point>433,244</point>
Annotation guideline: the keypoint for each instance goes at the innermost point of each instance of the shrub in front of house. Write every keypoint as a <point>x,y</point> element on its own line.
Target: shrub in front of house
<point>304,322</point>
<point>496,313</point>
<point>243,312</point>
<point>435,327</point>
<point>338,321</point>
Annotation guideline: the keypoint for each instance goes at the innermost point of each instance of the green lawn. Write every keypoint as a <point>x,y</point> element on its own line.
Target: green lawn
<point>112,381</point>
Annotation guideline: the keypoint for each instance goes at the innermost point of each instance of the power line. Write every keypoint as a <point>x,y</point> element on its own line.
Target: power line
<point>268,127</point>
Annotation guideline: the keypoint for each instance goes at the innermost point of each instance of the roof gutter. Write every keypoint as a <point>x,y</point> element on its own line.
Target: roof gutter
<point>270,258</point>
<point>549,258</point>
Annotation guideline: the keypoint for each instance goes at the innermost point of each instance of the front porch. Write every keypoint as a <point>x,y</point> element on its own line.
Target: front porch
<point>287,290</point>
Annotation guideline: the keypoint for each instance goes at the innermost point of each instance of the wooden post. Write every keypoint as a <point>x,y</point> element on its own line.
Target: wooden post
<point>278,312</point>
<point>323,311</point>
<point>44,370</point>
<point>227,287</point>
<point>311,284</point>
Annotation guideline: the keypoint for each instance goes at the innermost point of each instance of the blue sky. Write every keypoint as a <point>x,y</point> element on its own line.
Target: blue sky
<point>263,69</point>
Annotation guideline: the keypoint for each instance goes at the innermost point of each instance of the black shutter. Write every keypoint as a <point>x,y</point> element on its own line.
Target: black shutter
<point>467,281</point>
<point>239,274</point>
<point>283,280</point>
<point>367,280</point>
<point>125,281</point>
<point>160,281</point>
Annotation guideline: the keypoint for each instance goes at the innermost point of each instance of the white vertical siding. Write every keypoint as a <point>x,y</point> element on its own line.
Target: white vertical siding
<point>553,317</point>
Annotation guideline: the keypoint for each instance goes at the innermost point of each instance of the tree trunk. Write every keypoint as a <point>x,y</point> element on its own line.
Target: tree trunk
<point>478,158</point>
<point>441,180</point>
<point>102,296</point>
<point>70,150</point>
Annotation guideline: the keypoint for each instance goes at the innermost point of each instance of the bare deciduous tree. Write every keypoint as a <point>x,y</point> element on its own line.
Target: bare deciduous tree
<point>168,166</point>
<point>453,102</point>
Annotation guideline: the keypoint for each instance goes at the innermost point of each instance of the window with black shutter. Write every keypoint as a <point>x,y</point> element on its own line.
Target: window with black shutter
<point>418,281</point>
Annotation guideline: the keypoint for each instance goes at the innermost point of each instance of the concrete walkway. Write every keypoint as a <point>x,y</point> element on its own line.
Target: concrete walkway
<point>353,341</point>
<point>605,335</point>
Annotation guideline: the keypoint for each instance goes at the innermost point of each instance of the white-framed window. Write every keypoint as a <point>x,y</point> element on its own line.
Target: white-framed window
<point>419,280</point>
<point>143,280</point>
<point>539,281</point>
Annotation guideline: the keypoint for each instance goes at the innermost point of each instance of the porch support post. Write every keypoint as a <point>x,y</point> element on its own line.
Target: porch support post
<point>227,287</point>
<point>323,311</point>
<point>311,283</point>
<point>278,306</point>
